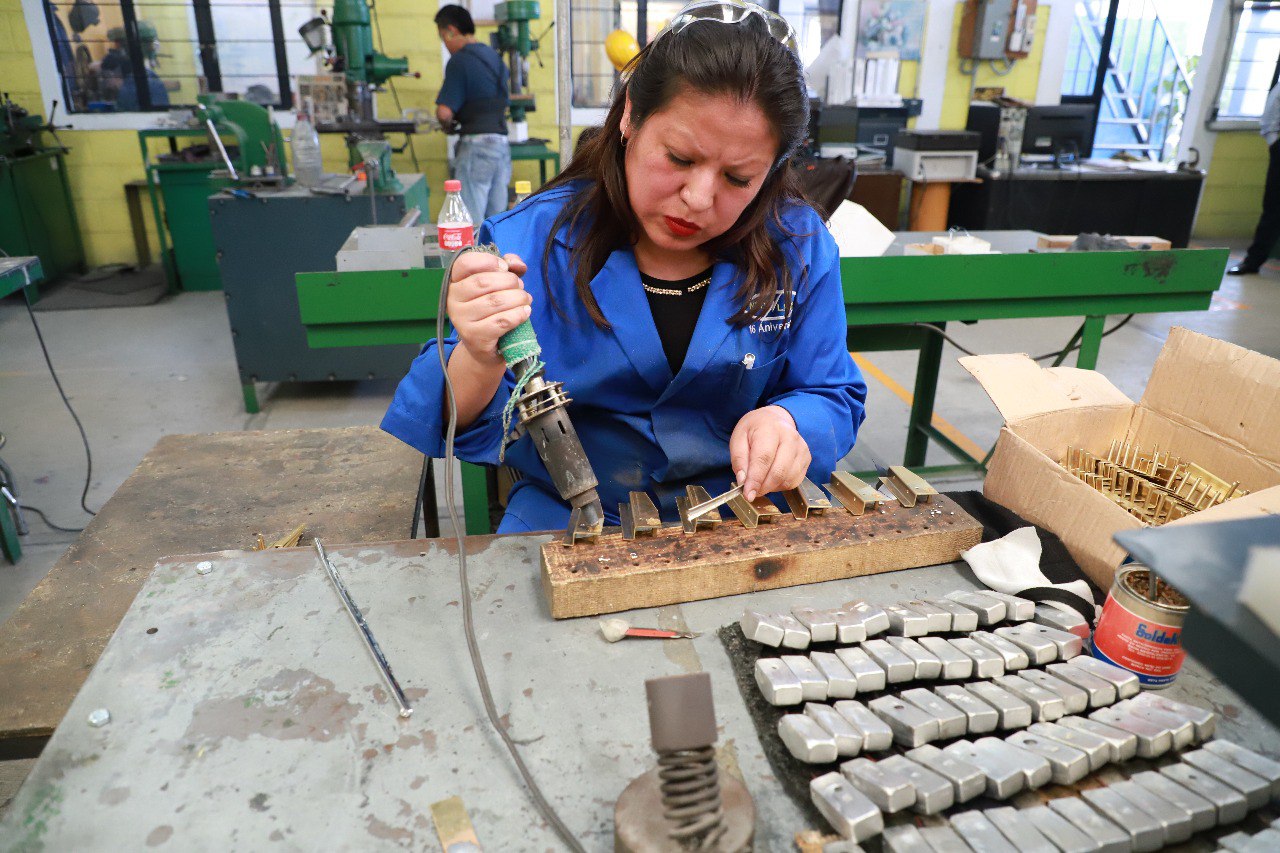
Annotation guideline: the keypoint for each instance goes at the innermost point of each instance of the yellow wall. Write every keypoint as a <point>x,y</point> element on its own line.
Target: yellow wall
<point>1232,198</point>
<point>103,161</point>
<point>17,66</point>
<point>1020,82</point>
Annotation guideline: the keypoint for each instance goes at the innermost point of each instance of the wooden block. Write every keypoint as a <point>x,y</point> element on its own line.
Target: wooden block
<point>673,567</point>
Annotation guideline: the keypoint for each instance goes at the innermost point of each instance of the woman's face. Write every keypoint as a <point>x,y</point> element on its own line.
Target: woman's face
<point>694,166</point>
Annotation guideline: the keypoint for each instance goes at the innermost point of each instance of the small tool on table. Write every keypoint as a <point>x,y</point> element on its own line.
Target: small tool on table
<point>614,630</point>
<point>369,640</point>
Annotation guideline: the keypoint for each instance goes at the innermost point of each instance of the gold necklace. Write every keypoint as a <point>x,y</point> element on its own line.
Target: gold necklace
<point>671,291</point>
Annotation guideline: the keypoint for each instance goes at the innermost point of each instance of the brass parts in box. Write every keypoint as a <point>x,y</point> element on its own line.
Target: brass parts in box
<point>1154,486</point>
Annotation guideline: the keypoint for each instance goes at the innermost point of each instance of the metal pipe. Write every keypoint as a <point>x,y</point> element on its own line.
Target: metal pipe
<point>410,217</point>
<point>217,141</point>
<point>370,642</point>
<point>564,81</point>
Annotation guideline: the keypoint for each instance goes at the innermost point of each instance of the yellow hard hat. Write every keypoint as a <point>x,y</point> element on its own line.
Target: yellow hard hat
<point>621,47</point>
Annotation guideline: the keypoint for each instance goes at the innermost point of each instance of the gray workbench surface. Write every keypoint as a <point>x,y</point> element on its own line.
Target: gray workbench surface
<point>246,714</point>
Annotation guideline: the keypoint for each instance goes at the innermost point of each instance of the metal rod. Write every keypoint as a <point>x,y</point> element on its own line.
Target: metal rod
<point>217,141</point>
<point>370,642</point>
<point>699,510</point>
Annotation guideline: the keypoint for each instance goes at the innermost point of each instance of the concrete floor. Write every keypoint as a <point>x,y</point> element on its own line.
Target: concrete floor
<point>135,374</point>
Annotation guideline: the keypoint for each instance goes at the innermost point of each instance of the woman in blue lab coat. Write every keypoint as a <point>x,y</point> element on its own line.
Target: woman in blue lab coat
<point>682,291</point>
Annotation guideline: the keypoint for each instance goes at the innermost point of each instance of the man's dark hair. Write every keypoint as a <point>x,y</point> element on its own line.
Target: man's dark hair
<point>456,17</point>
<point>740,60</point>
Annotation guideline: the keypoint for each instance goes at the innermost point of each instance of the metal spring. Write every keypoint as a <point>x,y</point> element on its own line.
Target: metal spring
<point>691,797</point>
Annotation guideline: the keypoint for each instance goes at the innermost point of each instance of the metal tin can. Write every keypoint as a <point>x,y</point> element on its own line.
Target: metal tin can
<point>1138,634</point>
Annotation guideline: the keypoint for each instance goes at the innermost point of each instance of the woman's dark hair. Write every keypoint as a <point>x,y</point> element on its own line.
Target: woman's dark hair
<point>740,60</point>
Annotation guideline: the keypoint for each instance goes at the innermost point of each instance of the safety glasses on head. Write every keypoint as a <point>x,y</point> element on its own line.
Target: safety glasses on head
<point>733,12</point>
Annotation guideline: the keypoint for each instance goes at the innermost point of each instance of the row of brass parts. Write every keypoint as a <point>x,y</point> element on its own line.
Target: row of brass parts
<point>1154,486</point>
<point>699,510</point>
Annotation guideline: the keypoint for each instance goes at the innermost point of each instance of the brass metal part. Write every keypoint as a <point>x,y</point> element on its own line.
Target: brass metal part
<point>909,488</point>
<point>696,500</point>
<point>745,511</point>
<point>766,509</point>
<point>579,528</point>
<point>854,495</point>
<point>701,503</point>
<point>807,499</point>
<point>639,516</point>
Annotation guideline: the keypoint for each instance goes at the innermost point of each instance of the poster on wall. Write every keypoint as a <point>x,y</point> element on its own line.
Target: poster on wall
<point>891,25</point>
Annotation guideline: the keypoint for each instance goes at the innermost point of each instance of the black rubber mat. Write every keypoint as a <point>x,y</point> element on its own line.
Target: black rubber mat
<point>795,775</point>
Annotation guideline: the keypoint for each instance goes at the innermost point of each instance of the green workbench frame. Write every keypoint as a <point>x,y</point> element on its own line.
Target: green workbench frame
<point>882,296</point>
<point>17,274</point>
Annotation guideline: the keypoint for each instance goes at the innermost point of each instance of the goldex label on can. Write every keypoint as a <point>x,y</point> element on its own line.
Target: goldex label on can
<point>1141,636</point>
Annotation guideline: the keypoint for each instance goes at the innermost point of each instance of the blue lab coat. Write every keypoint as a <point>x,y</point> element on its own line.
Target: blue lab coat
<point>642,428</point>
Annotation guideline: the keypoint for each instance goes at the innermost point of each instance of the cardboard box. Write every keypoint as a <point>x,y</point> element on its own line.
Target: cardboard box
<point>1207,401</point>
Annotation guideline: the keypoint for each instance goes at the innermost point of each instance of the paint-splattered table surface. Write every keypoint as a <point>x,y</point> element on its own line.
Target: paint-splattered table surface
<point>190,493</point>
<point>246,714</point>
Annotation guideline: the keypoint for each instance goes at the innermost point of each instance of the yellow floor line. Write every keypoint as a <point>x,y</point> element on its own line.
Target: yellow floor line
<point>939,422</point>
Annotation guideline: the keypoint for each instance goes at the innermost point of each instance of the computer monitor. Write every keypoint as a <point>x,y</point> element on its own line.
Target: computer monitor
<point>1058,133</point>
<point>837,128</point>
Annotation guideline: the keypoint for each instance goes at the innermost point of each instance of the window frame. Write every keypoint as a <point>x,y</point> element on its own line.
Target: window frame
<point>1213,122</point>
<point>592,116</point>
<point>38,16</point>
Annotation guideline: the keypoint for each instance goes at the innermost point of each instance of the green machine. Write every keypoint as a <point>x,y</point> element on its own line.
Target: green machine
<point>514,41</point>
<point>347,42</point>
<point>180,182</point>
<point>37,215</point>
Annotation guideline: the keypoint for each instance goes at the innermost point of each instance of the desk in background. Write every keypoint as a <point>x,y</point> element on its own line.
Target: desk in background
<point>536,151</point>
<point>1075,200</point>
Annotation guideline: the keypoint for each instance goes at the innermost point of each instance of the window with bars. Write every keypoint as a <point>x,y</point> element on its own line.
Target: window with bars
<point>814,21</point>
<point>1251,62</point>
<point>151,55</point>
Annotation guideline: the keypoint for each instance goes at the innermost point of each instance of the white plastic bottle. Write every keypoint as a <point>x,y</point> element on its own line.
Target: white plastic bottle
<point>304,145</point>
<point>455,226</point>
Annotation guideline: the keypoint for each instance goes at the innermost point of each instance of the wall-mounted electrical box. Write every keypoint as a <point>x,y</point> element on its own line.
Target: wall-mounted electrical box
<point>984,28</point>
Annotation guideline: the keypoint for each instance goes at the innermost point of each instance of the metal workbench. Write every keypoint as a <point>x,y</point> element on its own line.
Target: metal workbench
<point>883,297</point>
<point>246,714</point>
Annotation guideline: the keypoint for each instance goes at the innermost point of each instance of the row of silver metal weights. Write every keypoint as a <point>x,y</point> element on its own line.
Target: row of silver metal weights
<point>918,716</point>
<point>1214,786</point>
<point>849,671</point>
<point>1266,841</point>
<point>858,620</point>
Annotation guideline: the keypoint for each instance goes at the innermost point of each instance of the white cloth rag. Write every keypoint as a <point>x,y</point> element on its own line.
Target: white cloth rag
<point>1011,564</point>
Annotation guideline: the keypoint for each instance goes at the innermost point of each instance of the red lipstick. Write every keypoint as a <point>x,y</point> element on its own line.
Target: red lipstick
<point>681,227</point>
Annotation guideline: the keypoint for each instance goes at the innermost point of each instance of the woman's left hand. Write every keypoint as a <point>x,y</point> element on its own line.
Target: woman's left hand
<point>767,452</point>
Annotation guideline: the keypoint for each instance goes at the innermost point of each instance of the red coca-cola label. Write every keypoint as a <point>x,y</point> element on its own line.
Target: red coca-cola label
<point>454,237</point>
<point>1145,647</point>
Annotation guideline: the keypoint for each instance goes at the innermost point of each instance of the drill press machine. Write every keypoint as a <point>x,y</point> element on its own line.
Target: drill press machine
<point>347,42</point>
<point>515,43</point>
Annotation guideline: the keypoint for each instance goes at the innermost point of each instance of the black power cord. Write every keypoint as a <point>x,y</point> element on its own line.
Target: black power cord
<point>88,454</point>
<point>1057,354</point>
<point>473,648</point>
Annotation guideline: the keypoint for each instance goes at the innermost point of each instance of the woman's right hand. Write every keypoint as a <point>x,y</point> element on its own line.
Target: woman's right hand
<point>486,300</point>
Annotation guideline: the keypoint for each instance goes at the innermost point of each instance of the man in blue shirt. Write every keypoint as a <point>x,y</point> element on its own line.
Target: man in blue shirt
<point>474,96</point>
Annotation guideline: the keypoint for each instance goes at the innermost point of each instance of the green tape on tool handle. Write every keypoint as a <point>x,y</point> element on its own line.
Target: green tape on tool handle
<point>515,346</point>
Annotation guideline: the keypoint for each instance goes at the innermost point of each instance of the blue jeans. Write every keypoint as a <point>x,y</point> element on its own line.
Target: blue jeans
<point>483,163</point>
